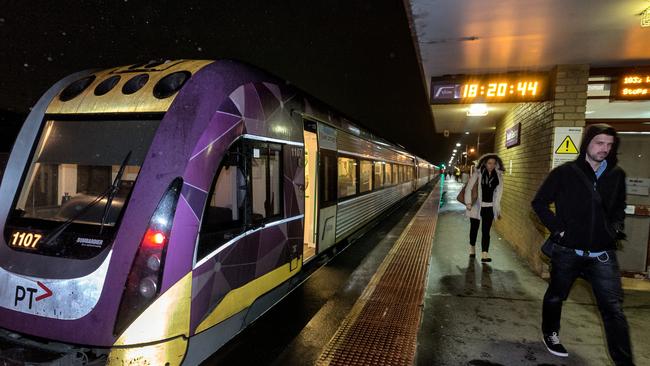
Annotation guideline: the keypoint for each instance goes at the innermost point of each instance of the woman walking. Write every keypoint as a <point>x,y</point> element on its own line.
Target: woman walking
<point>489,174</point>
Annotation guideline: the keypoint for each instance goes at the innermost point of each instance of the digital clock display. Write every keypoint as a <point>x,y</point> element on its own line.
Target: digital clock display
<point>506,88</point>
<point>633,85</point>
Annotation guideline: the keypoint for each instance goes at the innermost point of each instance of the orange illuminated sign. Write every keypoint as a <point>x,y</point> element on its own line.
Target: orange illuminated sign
<point>633,86</point>
<point>25,240</point>
<point>496,88</point>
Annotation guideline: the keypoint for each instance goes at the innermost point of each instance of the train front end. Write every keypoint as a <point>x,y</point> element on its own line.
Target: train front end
<point>94,263</point>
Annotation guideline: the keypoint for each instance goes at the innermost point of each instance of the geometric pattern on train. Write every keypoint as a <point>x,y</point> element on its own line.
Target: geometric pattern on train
<point>260,106</point>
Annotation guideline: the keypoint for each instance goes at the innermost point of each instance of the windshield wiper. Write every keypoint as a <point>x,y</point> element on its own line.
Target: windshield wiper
<point>113,190</point>
<point>61,228</point>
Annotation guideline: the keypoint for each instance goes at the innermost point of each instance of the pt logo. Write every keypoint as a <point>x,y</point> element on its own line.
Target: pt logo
<point>23,292</point>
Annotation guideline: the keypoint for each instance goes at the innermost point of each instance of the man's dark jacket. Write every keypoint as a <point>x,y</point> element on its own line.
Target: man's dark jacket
<point>586,224</point>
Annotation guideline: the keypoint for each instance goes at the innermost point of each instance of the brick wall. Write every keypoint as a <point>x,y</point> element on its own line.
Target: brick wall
<point>529,163</point>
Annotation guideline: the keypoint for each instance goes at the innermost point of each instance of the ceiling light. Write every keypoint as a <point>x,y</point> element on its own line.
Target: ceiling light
<point>455,150</point>
<point>477,110</point>
<point>458,144</point>
<point>467,132</point>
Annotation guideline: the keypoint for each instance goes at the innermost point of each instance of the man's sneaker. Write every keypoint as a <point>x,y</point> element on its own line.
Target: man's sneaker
<point>553,345</point>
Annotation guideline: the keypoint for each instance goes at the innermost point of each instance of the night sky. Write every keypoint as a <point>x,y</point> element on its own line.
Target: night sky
<point>355,55</point>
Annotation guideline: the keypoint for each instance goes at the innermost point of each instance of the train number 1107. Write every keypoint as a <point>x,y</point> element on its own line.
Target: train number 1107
<point>22,239</point>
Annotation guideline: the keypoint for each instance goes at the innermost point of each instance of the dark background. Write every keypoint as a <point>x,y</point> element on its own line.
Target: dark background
<point>355,55</point>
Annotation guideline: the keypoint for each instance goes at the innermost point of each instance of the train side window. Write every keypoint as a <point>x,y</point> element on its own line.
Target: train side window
<point>275,179</point>
<point>266,181</point>
<point>395,174</point>
<point>224,214</point>
<point>388,174</point>
<point>327,174</point>
<point>347,177</point>
<point>379,175</point>
<point>365,176</point>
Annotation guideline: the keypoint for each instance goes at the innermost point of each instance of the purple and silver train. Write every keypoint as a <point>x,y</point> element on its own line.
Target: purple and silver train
<point>151,212</point>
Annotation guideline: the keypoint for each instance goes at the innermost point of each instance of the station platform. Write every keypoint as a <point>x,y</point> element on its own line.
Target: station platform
<point>490,314</point>
<point>407,293</point>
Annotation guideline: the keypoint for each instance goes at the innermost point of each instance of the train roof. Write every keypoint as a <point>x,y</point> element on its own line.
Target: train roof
<point>152,87</point>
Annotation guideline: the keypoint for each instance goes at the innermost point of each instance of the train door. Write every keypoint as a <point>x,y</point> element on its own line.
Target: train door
<point>311,189</point>
<point>327,186</point>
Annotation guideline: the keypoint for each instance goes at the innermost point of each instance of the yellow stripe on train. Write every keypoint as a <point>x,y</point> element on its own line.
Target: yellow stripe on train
<point>243,297</point>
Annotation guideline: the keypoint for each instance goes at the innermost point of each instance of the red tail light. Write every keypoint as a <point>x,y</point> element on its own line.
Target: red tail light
<point>154,238</point>
<point>143,283</point>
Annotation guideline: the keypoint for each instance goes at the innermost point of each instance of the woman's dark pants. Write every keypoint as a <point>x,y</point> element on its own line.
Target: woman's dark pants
<point>487,216</point>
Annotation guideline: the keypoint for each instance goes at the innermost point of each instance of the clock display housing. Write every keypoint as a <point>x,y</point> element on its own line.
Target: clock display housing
<point>491,88</point>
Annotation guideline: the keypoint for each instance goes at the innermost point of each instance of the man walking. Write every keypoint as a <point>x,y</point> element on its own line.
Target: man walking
<point>589,198</point>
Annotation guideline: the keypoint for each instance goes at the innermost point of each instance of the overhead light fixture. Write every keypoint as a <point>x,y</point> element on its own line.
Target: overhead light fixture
<point>477,110</point>
<point>458,144</point>
<point>467,132</point>
<point>455,150</point>
<point>645,18</point>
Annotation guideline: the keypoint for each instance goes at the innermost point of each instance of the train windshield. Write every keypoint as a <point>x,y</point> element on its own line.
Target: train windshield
<point>75,162</point>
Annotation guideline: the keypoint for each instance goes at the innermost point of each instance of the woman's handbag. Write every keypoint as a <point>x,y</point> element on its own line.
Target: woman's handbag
<point>461,194</point>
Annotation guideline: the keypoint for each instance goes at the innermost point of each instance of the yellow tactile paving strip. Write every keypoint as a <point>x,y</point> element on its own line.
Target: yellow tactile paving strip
<point>382,327</point>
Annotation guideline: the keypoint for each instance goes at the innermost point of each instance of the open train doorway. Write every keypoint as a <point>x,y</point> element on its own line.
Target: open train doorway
<point>311,185</point>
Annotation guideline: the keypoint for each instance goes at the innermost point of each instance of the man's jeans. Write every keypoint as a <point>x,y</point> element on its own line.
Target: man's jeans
<point>604,276</point>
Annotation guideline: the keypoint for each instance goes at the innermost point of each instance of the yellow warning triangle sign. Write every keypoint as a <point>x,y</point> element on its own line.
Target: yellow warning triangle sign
<point>567,147</point>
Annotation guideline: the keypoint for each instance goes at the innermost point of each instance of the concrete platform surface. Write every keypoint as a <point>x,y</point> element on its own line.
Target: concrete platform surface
<point>490,314</point>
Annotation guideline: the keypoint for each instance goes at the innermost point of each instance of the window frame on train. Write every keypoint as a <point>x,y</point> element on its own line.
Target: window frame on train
<point>240,156</point>
<point>328,178</point>
<point>268,188</point>
<point>233,160</point>
<point>351,188</point>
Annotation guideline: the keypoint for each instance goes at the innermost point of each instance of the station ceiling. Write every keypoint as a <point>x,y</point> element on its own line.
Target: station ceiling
<point>477,36</point>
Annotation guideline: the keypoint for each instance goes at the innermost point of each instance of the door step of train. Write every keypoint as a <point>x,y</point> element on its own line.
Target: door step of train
<point>19,350</point>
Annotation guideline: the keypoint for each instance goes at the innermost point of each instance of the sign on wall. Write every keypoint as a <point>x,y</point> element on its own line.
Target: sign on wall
<point>566,144</point>
<point>638,186</point>
<point>632,84</point>
<point>513,136</point>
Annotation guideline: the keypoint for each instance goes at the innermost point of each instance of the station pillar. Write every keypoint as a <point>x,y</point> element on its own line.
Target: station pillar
<point>529,162</point>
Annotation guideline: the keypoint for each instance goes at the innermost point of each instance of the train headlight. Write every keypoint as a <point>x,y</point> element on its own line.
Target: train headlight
<point>143,283</point>
<point>153,263</point>
<point>148,287</point>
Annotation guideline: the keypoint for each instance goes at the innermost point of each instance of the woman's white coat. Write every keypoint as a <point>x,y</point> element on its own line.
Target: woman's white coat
<point>475,178</point>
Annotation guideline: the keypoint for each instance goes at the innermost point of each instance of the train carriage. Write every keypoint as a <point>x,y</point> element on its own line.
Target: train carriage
<point>150,212</point>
